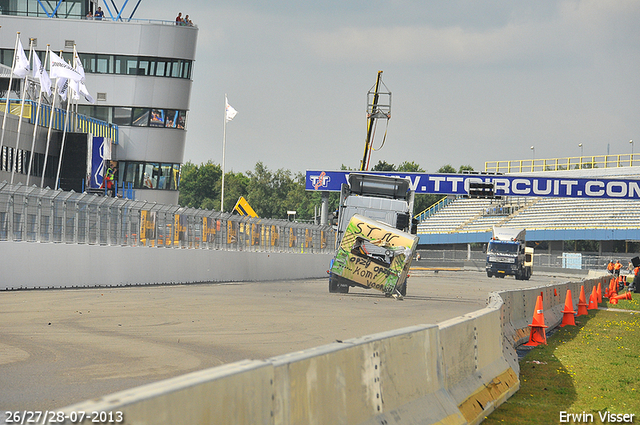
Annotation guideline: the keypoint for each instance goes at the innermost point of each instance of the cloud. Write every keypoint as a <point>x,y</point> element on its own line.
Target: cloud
<point>572,33</point>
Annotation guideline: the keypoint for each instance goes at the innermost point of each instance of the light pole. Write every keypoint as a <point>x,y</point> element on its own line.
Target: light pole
<point>533,156</point>
<point>580,146</point>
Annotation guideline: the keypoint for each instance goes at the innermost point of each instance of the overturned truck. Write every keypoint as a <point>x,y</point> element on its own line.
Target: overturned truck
<point>376,239</point>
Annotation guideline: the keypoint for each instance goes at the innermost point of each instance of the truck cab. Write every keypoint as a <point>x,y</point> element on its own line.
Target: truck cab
<point>507,254</point>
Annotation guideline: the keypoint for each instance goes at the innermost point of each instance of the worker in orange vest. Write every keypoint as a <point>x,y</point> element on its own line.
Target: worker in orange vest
<point>635,285</point>
<point>616,268</point>
<point>610,267</point>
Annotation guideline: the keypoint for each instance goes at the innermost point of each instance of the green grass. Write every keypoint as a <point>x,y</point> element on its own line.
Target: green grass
<point>633,304</point>
<point>591,367</point>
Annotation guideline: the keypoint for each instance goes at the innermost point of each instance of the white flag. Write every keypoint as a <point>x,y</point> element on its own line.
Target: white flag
<point>21,67</point>
<point>41,74</point>
<point>229,111</point>
<point>79,88</point>
<point>60,69</point>
<point>85,93</point>
<point>77,64</point>
<point>63,87</point>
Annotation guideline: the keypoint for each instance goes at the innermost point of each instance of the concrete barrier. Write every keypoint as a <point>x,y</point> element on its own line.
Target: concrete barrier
<point>520,305</point>
<point>96,265</point>
<point>456,372</point>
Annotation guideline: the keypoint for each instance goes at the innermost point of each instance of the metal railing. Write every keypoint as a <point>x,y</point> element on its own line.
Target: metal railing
<point>558,164</point>
<point>588,261</point>
<point>75,123</point>
<point>32,214</point>
<point>434,208</point>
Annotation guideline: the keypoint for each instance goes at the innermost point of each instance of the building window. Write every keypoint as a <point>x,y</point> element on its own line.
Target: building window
<point>123,65</point>
<point>104,64</point>
<point>103,113</point>
<point>150,175</point>
<point>137,117</point>
<point>157,118</point>
<point>140,117</point>
<point>122,115</point>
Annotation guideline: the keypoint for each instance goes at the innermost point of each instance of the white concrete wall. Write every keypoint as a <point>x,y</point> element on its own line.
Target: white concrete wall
<point>48,265</point>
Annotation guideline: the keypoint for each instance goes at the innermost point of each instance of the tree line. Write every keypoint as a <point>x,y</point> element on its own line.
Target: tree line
<point>272,193</point>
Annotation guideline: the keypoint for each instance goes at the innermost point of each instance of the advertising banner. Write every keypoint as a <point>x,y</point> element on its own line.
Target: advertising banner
<point>99,151</point>
<point>458,184</point>
<point>209,229</point>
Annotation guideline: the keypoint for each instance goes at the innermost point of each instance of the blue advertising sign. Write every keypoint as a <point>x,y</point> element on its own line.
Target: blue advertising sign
<point>99,152</point>
<point>458,184</point>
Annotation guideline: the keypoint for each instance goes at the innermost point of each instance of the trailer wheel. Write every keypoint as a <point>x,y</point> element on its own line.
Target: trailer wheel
<point>336,286</point>
<point>403,288</point>
<point>489,274</point>
<point>333,287</point>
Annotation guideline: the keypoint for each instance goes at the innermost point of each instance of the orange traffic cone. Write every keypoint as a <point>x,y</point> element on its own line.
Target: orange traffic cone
<point>608,290</point>
<point>568,315</point>
<point>582,303</point>
<point>599,293</point>
<point>614,289</point>
<point>537,335</point>
<point>593,299</point>
<point>625,296</point>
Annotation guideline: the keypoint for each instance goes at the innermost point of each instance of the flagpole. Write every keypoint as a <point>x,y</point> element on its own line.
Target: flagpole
<point>24,93</point>
<point>35,126</point>
<point>6,110</point>
<point>66,123</point>
<point>224,146</point>
<point>51,116</point>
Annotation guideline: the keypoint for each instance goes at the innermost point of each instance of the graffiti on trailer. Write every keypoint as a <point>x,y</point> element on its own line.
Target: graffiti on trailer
<point>366,272</point>
<point>375,233</point>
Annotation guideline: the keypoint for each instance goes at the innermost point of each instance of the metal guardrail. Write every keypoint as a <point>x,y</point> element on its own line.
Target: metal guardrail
<point>75,123</point>
<point>558,164</point>
<point>32,214</point>
<point>434,208</point>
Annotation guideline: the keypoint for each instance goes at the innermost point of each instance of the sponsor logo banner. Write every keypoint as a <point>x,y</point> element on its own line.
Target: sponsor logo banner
<point>458,184</point>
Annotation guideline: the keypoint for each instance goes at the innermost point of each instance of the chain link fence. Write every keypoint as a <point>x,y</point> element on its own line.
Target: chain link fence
<point>540,258</point>
<point>32,214</point>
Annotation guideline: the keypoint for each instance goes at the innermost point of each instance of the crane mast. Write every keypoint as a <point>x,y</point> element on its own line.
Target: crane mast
<point>378,106</point>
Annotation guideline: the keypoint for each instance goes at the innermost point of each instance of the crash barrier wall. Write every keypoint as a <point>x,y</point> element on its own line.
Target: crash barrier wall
<point>456,372</point>
<point>520,305</point>
<point>31,214</point>
<point>81,240</point>
<point>75,266</point>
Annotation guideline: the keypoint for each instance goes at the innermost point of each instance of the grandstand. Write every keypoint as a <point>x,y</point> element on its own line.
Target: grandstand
<point>463,220</point>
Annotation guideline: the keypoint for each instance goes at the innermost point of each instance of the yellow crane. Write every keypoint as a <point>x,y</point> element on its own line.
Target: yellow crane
<point>378,106</point>
<point>243,208</point>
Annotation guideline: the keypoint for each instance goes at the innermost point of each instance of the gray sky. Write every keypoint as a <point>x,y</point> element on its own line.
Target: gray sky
<point>471,81</point>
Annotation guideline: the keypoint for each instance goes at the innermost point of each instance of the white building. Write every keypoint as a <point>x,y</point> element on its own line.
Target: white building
<point>139,72</point>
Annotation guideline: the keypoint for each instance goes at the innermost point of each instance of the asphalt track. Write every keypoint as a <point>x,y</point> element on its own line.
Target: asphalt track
<point>59,347</point>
